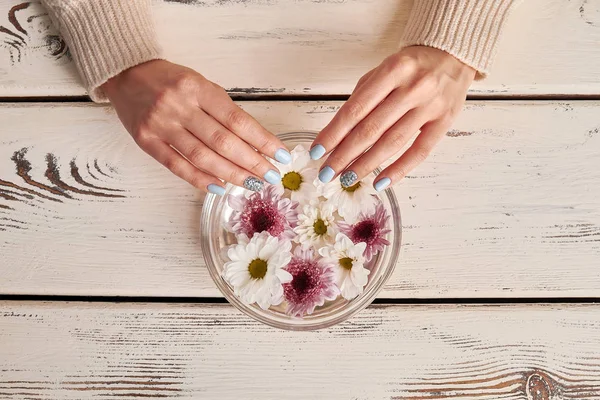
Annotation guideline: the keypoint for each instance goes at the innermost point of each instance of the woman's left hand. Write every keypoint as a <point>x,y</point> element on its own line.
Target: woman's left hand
<point>418,88</point>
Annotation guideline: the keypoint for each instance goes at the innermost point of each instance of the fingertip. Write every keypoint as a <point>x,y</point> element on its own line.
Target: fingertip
<point>317,152</point>
<point>216,189</point>
<point>382,184</point>
<point>326,174</point>
<point>273,177</point>
<point>283,156</point>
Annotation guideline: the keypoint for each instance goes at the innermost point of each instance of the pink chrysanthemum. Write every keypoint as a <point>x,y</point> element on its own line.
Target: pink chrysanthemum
<point>369,229</point>
<point>266,211</point>
<point>312,284</point>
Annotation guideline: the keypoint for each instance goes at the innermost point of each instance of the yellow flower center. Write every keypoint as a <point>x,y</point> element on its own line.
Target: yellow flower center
<point>257,268</point>
<point>320,227</point>
<point>292,181</point>
<point>346,263</point>
<point>352,189</point>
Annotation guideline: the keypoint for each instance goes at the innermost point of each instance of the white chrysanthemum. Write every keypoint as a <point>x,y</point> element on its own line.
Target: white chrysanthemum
<point>256,269</point>
<point>351,201</point>
<point>351,276</point>
<point>298,177</point>
<point>316,226</point>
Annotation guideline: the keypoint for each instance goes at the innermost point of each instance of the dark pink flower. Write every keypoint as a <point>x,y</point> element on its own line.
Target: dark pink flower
<point>265,211</point>
<point>313,282</point>
<point>369,229</point>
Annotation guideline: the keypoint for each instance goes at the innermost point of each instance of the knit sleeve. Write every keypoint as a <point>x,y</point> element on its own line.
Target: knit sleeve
<point>467,29</point>
<point>105,37</point>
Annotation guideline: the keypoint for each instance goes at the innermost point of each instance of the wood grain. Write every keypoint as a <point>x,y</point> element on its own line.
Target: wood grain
<point>107,351</point>
<point>508,206</point>
<point>550,47</point>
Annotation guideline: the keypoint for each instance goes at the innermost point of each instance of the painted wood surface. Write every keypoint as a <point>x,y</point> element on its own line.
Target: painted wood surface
<point>106,351</point>
<point>549,47</point>
<point>508,206</point>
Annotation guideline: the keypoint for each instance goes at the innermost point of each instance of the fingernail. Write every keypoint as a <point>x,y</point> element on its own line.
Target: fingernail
<point>382,184</point>
<point>283,156</point>
<point>317,152</point>
<point>216,189</point>
<point>273,177</point>
<point>254,184</point>
<point>348,178</point>
<point>326,174</point>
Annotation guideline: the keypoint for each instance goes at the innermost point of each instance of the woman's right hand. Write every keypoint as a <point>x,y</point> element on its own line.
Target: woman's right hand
<point>192,127</point>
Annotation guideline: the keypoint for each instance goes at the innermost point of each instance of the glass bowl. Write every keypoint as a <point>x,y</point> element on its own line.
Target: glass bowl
<point>216,240</point>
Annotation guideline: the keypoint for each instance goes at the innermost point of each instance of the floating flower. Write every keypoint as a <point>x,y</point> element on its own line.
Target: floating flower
<point>298,176</point>
<point>316,226</point>
<point>265,211</point>
<point>256,270</point>
<point>370,229</point>
<point>350,201</point>
<point>313,283</point>
<point>350,274</point>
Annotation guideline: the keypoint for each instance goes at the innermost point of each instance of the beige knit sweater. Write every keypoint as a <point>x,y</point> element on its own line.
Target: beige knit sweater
<point>106,37</point>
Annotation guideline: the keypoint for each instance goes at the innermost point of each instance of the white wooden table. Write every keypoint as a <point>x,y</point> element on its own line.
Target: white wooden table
<point>103,289</point>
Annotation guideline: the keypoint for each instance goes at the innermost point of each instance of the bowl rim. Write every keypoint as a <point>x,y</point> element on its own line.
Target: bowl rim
<point>347,311</point>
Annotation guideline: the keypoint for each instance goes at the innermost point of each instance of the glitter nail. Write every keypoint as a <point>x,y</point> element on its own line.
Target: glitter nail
<point>254,184</point>
<point>348,178</point>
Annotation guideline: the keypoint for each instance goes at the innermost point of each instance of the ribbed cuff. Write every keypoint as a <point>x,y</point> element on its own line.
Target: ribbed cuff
<point>467,29</point>
<point>105,37</point>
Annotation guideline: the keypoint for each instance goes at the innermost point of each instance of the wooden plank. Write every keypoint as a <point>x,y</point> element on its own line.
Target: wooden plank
<point>104,351</point>
<point>550,47</point>
<point>508,206</point>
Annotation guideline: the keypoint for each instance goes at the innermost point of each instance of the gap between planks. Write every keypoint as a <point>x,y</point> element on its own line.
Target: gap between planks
<point>378,301</point>
<point>317,97</point>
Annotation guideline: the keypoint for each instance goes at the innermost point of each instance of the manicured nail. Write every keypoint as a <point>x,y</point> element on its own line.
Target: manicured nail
<point>317,152</point>
<point>348,178</point>
<point>382,184</point>
<point>326,174</point>
<point>273,177</point>
<point>216,189</point>
<point>283,156</point>
<point>254,184</point>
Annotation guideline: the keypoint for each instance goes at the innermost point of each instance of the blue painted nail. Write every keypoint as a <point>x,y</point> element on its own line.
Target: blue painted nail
<point>273,177</point>
<point>317,152</point>
<point>283,156</point>
<point>382,184</point>
<point>326,174</point>
<point>216,189</point>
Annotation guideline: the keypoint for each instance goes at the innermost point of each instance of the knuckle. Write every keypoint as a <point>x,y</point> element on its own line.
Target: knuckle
<point>142,133</point>
<point>197,180</point>
<point>266,146</point>
<point>173,164</point>
<point>398,140</point>
<point>233,176</point>
<point>428,83</point>
<point>439,105</point>
<point>256,165</point>
<point>421,153</point>
<point>222,141</point>
<point>182,83</point>
<point>161,103</point>
<point>396,62</point>
<point>355,109</point>
<point>398,174</point>
<point>337,161</point>
<point>197,155</point>
<point>367,130</point>
<point>237,120</point>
